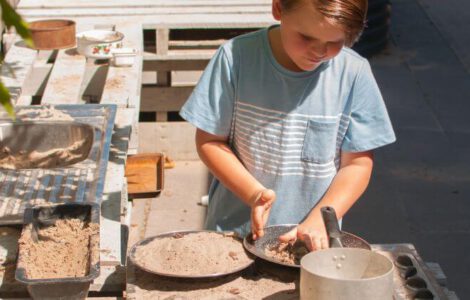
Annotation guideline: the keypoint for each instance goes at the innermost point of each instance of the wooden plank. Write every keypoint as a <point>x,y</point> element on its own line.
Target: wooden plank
<point>142,11</point>
<point>123,84</point>
<point>111,230</point>
<point>194,44</point>
<point>182,55</point>
<point>161,116</point>
<point>8,39</point>
<point>185,78</point>
<point>134,139</point>
<point>133,4</point>
<point>141,209</point>
<point>66,78</point>
<point>175,139</point>
<point>164,99</point>
<point>35,84</point>
<point>93,81</point>
<point>36,81</point>
<point>151,63</point>
<point>126,207</point>
<point>187,21</point>
<point>19,59</point>
<point>163,36</point>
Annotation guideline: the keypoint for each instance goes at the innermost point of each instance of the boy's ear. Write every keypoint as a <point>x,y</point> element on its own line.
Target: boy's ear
<point>276,9</point>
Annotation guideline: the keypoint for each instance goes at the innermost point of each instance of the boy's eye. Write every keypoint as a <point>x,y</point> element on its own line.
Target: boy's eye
<point>305,37</point>
<point>336,43</point>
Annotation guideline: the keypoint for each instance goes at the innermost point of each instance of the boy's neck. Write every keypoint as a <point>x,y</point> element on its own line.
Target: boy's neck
<point>274,36</point>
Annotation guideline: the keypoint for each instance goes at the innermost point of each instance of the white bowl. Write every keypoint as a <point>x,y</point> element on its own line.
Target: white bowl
<point>98,44</point>
<point>124,56</point>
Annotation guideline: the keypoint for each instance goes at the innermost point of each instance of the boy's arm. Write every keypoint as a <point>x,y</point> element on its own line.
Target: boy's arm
<point>346,188</point>
<point>219,158</point>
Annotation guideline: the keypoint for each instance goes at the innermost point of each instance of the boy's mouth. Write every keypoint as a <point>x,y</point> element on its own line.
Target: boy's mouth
<point>314,60</point>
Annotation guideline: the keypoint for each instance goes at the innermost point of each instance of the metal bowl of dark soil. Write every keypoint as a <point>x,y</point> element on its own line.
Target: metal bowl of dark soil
<point>269,248</point>
<point>191,254</point>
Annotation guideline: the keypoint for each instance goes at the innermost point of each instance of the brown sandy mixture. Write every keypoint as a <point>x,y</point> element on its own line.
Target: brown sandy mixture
<point>239,288</point>
<point>287,253</point>
<point>45,112</point>
<point>61,251</point>
<point>49,159</point>
<point>193,254</point>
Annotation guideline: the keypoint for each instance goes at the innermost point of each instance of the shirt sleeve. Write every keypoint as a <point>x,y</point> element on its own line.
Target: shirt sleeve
<point>369,125</point>
<point>210,106</point>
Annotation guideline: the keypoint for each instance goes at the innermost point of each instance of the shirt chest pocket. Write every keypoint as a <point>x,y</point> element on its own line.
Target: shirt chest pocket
<point>319,145</point>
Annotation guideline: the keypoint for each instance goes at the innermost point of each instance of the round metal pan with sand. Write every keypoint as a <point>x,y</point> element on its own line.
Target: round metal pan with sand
<point>265,247</point>
<point>191,254</point>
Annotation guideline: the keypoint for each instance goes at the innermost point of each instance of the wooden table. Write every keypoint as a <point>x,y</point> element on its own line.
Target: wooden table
<point>65,77</point>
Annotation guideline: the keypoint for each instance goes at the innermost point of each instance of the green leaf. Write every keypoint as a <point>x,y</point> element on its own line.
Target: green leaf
<point>5,101</point>
<point>11,18</point>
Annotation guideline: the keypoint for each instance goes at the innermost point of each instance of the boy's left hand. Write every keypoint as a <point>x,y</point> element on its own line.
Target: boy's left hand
<point>260,212</point>
<point>313,235</point>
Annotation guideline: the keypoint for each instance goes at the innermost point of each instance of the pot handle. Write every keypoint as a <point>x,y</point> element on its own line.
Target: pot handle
<point>332,227</point>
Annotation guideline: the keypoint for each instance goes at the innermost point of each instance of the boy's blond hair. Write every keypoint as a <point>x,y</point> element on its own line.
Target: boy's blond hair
<point>348,14</point>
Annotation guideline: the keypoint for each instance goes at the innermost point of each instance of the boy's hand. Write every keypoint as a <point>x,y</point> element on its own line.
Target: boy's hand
<point>260,209</point>
<point>313,235</point>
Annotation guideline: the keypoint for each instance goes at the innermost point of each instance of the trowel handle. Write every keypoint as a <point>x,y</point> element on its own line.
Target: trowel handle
<point>332,227</point>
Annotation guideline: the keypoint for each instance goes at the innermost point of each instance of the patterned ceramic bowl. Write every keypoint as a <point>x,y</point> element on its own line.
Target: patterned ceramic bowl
<point>99,44</point>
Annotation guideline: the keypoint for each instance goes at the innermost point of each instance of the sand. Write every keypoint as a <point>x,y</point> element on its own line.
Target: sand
<point>49,159</point>
<point>252,288</point>
<point>43,113</point>
<point>287,253</point>
<point>62,250</point>
<point>260,281</point>
<point>193,254</point>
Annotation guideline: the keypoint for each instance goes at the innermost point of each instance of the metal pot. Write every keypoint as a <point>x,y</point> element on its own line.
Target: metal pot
<point>346,274</point>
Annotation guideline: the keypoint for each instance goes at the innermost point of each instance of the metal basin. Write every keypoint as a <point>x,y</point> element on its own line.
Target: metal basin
<point>74,175</point>
<point>31,145</point>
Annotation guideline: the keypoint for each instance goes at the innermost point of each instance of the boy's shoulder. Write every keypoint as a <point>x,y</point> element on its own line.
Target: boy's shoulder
<point>349,57</point>
<point>348,63</point>
<point>244,41</point>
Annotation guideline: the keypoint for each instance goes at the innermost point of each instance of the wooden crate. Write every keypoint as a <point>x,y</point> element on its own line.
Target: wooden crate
<point>145,174</point>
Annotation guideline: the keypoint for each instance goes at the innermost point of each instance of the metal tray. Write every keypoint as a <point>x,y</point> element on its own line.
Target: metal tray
<point>170,234</point>
<point>272,233</point>
<point>82,181</point>
<point>68,287</point>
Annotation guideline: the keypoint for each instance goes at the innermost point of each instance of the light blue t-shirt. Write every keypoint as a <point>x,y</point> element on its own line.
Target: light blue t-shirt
<point>287,128</point>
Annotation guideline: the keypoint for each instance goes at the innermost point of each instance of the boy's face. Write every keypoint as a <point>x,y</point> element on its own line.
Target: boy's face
<point>307,37</point>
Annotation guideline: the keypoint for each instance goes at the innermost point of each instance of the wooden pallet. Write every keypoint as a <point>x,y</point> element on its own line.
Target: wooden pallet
<point>65,77</point>
<point>180,37</point>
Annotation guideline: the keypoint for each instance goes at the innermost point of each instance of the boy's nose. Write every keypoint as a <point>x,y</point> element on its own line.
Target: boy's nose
<point>318,51</point>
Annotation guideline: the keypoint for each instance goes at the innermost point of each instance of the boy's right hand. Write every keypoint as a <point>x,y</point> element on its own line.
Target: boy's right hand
<point>260,209</point>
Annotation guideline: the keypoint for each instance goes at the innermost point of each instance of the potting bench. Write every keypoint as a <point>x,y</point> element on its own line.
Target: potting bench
<point>65,77</point>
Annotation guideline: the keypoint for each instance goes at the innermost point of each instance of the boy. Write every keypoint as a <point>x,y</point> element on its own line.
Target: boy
<point>287,118</point>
